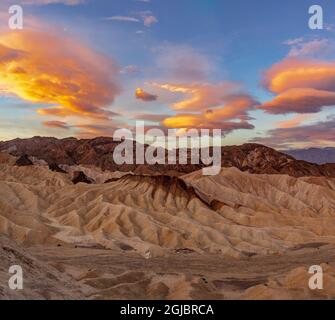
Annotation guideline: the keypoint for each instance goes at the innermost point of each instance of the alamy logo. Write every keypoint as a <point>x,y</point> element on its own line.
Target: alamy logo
<point>316,281</point>
<point>15,282</point>
<point>203,145</point>
<point>15,21</point>
<point>316,20</point>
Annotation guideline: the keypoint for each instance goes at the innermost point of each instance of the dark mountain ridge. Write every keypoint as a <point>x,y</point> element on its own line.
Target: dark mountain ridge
<point>253,158</point>
<point>314,155</point>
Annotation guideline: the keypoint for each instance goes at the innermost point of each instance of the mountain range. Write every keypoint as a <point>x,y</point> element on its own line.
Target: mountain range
<point>98,152</point>
<point>314,155</point>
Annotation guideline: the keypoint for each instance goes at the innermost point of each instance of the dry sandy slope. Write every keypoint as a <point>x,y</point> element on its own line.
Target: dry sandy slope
<point>233,213</point>
<point>40,280</point>
<point>221,218</point>
<point>266,213</point>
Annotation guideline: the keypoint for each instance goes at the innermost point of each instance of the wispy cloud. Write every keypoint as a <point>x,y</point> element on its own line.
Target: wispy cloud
<point>182,63</point>
<point>122,18</point>
<point>292,42</point>
<point>316,48</point>
<point>150,117</point>
<point>146,17</point>
<point>131,69</point>
<point>203,96</point>
<point>317,134</point>
<point>56,124</point>
<point>205,106</point>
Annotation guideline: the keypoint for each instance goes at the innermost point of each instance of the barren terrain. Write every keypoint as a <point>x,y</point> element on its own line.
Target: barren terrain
<point>236,235</point>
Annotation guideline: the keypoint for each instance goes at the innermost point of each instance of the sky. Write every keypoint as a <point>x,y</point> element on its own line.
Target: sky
<point>253,69</point>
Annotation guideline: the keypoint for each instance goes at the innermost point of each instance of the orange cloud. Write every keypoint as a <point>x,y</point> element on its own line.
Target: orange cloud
<point>200,121</point>
<point>145,96</point>
<point>291,74</point>
<point>47,69</point>
<point>300,100</point>
<point>216,105</point>
<point>235,107</point>
<point>302,86</point>
<point>184,121</point>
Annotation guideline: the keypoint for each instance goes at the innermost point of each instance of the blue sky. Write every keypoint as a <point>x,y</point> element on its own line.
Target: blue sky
<point>215,41</point>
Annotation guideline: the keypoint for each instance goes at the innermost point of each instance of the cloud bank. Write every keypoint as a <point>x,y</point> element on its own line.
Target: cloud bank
<point>69,78</point>
<point>304,82</point>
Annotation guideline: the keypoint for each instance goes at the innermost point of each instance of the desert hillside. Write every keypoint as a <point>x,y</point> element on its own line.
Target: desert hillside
<point>237,216</point>
<point>233,213</point>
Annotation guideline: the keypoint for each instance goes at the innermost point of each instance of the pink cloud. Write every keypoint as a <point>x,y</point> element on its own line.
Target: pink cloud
<point>149,20</point>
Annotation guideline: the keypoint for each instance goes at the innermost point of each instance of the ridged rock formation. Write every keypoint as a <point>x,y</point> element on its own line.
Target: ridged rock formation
<point>232,236</point>
<point>234,213</point>
<point>24,161</point>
